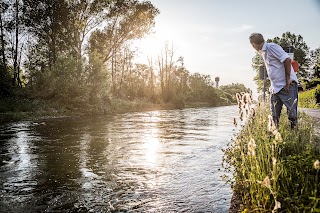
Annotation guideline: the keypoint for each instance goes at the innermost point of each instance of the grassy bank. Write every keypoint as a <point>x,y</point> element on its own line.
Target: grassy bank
<point>275,170</point>
<point>31,109</point>
<point>310,98</point>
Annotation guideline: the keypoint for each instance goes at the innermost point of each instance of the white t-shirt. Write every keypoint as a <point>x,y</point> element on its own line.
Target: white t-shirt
<point>274,56</point>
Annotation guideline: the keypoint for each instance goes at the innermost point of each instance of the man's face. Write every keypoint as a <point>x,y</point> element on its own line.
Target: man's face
<point>255,46</point>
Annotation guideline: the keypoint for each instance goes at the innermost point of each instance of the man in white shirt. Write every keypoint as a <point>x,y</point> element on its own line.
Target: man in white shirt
<point>283,89</point>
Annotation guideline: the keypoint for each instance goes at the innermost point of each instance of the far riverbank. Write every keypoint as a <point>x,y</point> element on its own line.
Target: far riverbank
<point>33,110</point>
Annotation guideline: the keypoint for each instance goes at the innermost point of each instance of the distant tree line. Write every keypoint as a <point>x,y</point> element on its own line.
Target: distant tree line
<point>79,52</point>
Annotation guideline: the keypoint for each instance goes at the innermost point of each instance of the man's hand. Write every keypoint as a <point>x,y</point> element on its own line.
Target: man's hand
<point>288,84</point>
<point>286,88</point>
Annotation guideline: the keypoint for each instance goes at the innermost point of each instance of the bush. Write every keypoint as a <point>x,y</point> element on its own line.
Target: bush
<point>313,83</point>
<point>317,94</point>
<point>275,169</point>
<point>310,98</point>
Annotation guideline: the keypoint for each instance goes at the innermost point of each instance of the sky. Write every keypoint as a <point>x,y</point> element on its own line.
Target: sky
<point>213,35</point>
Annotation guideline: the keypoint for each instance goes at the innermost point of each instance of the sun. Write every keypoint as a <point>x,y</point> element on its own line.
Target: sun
<point>151,46</point>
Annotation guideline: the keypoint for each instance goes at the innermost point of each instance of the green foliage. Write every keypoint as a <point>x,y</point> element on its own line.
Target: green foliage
<point>232,89</point>
<point>97,87</point>
<point>71,60</point>
<point>313,83</point>
<point>55,65</point>
<point>315,63</point>
<point>22,105</point>
<point>126,21</point>
<point>201,89</point>
<point>274,169</point>
<point>310,98</point>
<point>257,61</point>
<point>6,89</point>
<point>301,50</point>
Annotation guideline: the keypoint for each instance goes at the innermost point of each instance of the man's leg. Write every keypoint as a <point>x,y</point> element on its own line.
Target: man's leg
<point>276,107</point>
<point>290,100</point>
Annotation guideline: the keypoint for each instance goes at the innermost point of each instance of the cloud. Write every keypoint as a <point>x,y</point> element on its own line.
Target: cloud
<point>241,29</point>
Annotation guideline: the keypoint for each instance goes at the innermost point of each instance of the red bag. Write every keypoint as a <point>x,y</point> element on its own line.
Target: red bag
<point>295,65</point>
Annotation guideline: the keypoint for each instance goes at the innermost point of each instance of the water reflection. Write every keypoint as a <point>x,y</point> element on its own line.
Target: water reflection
<point>158,161</point>
<point>19,165</point>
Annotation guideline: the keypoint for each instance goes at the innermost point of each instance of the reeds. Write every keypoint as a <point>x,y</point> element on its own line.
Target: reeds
<point>275,169</point>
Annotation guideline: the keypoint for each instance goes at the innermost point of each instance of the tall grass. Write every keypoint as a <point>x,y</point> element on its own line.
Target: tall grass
<point>274,169</point>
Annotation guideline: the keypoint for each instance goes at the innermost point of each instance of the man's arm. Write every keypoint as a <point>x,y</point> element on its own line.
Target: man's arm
<point>287,67</point>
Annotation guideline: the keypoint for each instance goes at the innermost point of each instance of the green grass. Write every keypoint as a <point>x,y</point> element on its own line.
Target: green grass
<point>275,167</point>
<point>308,98</point>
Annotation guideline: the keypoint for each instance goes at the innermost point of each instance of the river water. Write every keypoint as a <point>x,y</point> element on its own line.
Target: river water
<point>157,161</point>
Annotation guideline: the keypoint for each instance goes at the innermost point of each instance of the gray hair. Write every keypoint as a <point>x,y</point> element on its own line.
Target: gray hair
<point>256,38</point>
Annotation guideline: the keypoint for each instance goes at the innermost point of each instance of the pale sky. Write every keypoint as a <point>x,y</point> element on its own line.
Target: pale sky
<point>212,35</point>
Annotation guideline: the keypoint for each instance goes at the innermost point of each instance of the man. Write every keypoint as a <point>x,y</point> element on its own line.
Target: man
<point>284,81</point>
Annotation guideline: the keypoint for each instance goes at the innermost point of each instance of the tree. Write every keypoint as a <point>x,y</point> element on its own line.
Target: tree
<point>165,68</point>
<point>85,16</point>
<point>232,89</point>
<point>5,79</point>
<point>202,89</point>
<point>3,8</point>
<point>47,23</point>
<point>257,62</point>
<point>315,63</point>
<point>11,36</point>
<point>182,75</point>
<point>301,50</point>
<point>127,20</point>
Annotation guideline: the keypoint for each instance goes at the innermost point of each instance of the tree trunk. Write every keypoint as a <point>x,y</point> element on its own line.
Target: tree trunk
<point>15,63</point>
<point>4,63</point>
<point>112,74</point>
<point>54,32</point>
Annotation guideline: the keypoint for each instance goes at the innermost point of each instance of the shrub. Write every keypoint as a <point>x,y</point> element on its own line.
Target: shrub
<point>310,98</point>
<point>313,83</point>
<point>274,169</point>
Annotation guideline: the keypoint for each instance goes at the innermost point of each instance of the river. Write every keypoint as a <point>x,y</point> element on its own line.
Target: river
<point>156,161</point>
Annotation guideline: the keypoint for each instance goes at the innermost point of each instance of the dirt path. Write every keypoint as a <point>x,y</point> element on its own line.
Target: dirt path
<point>312,112</point>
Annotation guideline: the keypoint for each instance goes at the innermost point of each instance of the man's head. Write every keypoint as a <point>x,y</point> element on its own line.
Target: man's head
<point>257,41</point>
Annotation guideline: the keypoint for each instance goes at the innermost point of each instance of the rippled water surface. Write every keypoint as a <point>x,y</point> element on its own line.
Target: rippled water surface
<point>159,161</point>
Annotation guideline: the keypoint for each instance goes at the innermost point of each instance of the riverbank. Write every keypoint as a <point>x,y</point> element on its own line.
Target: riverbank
<point>292,154</point>
<point>17,110</point>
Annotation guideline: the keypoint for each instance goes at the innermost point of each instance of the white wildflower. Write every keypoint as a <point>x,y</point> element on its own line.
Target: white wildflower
<point>316,165</point>
<point>252,147</point>
<point>271,124</point>
<point>274,161</point>
<point>238,96</point>
<point>277,135</point>
<point>241,116</point>
<point>244,98</point>
<point>277,206</point>
<point>266,182</point>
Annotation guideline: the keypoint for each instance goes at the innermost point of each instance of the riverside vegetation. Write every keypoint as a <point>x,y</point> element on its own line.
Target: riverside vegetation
<point>80,57</point>
<point>274,169</point>
<point>310,98</point>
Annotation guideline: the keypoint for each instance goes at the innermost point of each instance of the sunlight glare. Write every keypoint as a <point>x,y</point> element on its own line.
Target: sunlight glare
<point>151,147</point>
<point>151,46</point>
<point>150,139</point>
